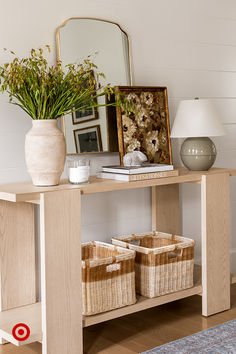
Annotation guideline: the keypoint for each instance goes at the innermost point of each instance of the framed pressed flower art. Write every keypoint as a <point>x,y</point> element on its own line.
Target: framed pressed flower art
<point>145,127</point>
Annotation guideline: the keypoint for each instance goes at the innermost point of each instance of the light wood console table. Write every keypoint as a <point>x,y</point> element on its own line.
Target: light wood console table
<point>57,321</point>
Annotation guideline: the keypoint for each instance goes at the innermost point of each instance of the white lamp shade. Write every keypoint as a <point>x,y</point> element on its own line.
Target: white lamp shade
<point>196,118</point>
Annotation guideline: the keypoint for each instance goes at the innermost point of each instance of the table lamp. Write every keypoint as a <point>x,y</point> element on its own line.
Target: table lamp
<point>196,120</point>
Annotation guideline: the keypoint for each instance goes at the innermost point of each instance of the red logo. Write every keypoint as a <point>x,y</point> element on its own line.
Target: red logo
<point>21,332</point>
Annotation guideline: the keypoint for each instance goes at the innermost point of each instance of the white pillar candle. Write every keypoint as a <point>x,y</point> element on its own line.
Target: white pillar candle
<point>79,174</point>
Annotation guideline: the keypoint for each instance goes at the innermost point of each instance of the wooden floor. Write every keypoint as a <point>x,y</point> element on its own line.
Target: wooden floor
<point>144,330</point>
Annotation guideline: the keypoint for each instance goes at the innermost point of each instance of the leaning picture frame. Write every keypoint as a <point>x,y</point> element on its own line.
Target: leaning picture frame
<point>82,116</point>
<point>88,139</point>
<point>85,115</point>
<point>146,128</point>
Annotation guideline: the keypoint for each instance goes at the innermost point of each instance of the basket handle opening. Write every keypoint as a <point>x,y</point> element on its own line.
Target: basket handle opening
<point>114,267</point>
<point>134,241</point>
<point>176,253</point>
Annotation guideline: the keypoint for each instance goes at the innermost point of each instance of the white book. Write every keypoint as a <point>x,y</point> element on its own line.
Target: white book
<point>133,170</point>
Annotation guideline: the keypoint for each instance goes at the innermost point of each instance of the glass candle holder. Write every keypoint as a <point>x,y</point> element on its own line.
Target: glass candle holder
<point>78,171</point>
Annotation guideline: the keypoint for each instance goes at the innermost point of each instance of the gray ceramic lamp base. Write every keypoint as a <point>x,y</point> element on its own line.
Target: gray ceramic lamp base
<point>198,154</point>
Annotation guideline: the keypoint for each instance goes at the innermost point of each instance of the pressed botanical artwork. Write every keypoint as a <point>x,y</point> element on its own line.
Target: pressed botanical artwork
<point>145,128</point>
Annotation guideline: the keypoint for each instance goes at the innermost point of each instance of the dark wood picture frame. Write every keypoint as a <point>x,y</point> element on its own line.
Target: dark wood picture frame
<point>78,118</point>
<point>83,116</point>
<point>87,130</point>
<point>148,129</point>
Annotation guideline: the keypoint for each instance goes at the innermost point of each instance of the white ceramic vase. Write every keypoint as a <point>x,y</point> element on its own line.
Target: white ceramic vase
<point>45,152</point>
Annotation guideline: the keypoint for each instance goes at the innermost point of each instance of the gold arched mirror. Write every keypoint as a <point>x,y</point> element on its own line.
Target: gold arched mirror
<point>77,38</point>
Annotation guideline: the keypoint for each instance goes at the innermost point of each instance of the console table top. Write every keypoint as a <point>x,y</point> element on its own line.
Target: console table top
<point>25,191</point>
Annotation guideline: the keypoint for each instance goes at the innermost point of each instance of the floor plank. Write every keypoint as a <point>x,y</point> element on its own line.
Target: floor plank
<point>144,330</point>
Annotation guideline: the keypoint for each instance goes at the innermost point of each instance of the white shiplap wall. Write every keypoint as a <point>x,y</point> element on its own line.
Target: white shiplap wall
<point>187,45</point>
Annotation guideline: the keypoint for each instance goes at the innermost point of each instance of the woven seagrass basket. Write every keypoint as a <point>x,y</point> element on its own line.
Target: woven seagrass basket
<point>163,264</point>
<point>108,278</point>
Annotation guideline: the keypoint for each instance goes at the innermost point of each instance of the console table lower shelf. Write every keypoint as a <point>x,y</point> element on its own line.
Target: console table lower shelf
<point>31,314</point>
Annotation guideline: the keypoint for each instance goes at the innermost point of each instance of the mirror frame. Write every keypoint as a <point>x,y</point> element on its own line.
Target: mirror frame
<point>58,52</point>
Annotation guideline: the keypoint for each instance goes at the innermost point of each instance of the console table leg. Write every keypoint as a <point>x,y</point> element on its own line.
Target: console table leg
<point>165,208</point>
<point>60,223</point>
<point>17,255</point>
<point>215,243</point>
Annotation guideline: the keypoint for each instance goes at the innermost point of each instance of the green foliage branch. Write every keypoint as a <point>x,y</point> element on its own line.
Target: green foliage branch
<point>48,92</point>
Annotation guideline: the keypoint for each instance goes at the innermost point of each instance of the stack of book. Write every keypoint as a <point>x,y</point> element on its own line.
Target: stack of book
<point>137,173</point>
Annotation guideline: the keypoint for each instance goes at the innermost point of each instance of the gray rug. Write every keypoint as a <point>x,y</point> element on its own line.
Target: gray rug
<point>216,340</point>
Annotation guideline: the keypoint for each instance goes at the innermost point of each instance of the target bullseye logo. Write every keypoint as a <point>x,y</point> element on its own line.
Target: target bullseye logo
<point>21,332</point>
